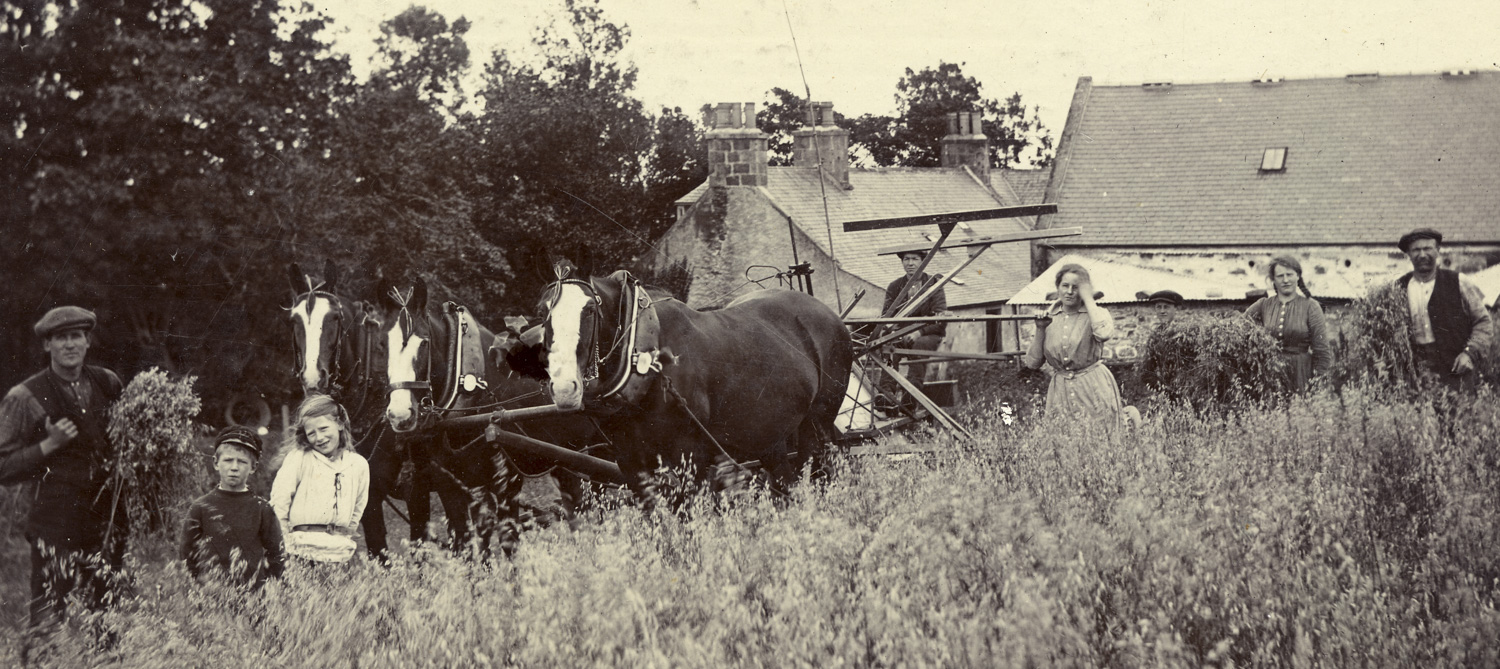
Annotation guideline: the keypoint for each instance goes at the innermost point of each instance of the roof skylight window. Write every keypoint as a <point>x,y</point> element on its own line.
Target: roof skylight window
<point>1274,160</point>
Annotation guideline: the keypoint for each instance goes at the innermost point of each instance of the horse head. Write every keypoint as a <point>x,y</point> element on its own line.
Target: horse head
<point>319,321</point>
<point>600,339</point>
<point>409,341</point>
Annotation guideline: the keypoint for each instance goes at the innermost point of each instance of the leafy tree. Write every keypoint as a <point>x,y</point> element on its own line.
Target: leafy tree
<point>566,150</point>
<point>425,54</point>
<point>913,137</point>
<point>397,187</point>
<point>144,167</point>
<point>675,168</point>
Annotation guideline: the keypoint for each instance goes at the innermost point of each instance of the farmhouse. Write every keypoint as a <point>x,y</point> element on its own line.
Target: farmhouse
<point>750,220</point>
<point>1212,180</point>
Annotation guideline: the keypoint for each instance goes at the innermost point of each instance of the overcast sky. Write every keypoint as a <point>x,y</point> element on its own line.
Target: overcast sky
<point>692,52</point>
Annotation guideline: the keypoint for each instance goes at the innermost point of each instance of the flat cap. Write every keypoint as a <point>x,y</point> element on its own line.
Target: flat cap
<point>58,319</point>
<point>241,436</point>
<point>1420,233</point>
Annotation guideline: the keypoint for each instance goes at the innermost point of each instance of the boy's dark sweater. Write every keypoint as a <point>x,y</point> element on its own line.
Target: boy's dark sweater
<point>221,522</point>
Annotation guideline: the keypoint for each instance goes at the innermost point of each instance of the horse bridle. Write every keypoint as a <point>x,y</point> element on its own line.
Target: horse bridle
<point>407,323</point>
<point>315,291</point>
<point>627,337</point>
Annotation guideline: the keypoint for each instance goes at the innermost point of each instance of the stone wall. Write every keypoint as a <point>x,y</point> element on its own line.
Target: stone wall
<point>1335,271</point>
<point>718,258</point>
<point>821,139</point>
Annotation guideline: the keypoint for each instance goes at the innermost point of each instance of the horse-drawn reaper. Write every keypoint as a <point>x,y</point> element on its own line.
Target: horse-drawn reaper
<point>763,379</point>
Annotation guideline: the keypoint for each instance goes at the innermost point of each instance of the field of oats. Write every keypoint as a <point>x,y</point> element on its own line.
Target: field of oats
<point>1344,530</point>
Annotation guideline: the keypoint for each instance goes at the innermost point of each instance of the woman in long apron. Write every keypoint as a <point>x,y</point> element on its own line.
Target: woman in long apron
<point>1070,337</point>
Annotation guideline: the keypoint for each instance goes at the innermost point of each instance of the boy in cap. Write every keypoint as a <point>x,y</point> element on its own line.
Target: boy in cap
<point>53,435</point>
<point>230,531</point>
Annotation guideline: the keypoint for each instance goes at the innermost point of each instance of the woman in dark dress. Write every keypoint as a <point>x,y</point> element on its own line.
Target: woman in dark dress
<point>1296,321</point>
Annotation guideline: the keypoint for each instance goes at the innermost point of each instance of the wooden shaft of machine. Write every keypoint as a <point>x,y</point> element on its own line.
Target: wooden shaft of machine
<point>977,318</point>
<point>595,468</point>
<point>502,416</point>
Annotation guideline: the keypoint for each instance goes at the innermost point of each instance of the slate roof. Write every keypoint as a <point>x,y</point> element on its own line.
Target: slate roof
<point>692,196</point>
<point>1029,185</point>
<point>1367,160</point>
<point>894,192</point>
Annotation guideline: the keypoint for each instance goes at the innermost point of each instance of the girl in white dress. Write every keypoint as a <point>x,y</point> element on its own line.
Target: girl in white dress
<point>322,487</point>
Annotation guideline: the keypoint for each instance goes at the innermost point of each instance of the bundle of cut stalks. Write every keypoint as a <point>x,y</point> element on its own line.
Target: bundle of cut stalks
<point>1373,342</point>
<point>151,428</point>
<point>1213,360</point>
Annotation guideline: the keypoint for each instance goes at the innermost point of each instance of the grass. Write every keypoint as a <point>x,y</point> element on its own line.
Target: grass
<point>1343,530</point>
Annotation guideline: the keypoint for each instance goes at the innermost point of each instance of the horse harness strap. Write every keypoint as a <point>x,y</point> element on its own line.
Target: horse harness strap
<point>638,322</point>
<point>466,370</point>
<point>364,362</point>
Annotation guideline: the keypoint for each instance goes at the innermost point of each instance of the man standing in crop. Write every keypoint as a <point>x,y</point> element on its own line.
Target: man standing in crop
<point>52,434</point>
<point>1449,326</point>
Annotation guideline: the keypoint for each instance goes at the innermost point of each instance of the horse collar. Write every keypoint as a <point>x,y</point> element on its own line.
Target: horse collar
<point>466,362</point>
<point>639,331</point>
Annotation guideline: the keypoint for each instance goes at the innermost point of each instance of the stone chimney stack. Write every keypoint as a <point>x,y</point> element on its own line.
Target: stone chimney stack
<point>736,148</point>
<point>966,145</point>
<point>821,138</point>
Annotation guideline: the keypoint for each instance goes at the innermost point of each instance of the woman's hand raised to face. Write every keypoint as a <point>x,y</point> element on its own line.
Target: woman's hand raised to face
<point>1086,293</point>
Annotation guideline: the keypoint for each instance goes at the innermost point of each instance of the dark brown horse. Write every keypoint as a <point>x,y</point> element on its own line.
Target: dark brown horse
<point>439,366</point>
<point>760,379</point>
<point>339,353</point>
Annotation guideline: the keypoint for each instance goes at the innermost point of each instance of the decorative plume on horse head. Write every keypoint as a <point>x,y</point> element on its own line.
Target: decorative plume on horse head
<point>760,379</point>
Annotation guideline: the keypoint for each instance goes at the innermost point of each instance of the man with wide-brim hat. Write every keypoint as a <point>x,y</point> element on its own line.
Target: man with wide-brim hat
<point>53,435</point>
<point>1448,324</point>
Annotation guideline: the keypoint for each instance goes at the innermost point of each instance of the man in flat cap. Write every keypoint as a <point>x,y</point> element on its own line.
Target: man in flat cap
<point>1449,325</point>
<point>52,434</point>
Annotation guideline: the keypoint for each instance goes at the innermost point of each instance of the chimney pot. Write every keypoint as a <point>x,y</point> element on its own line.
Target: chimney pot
<point>966,144</point>
<point>822,138</point>
<point>736,148</point>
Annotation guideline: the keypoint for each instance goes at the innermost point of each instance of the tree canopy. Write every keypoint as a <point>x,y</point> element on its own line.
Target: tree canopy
<point>913,137</point>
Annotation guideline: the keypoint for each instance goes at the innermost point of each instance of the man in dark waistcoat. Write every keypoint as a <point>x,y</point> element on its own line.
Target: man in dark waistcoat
<point>53,438</point>
<point>931,335</point>
<point>1449,326</point>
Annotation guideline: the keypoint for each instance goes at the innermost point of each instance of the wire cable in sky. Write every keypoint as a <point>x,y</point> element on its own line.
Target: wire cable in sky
<point>818,154</point>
